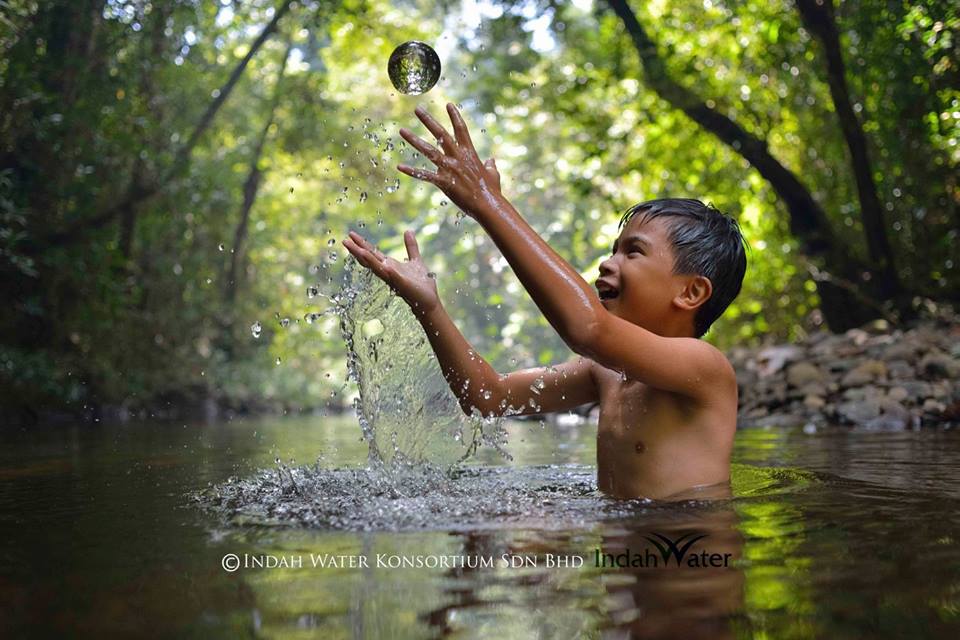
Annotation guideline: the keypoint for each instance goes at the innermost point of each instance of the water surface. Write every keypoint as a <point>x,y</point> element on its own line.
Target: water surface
<point>840,534</point>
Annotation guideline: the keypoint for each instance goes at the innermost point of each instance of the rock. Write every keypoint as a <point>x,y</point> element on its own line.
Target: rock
<point>933,406</point>
<point>917,389</point>
<point>813,389</point>
<point>903,350</point>
<point>898,394</point>
<point>859,411</point>
<point>894,416</point>
<point>858,336</point>
<point>781,420</point>
<point>940,390</point>
<point>900,370</point>
<point>862,393</point>
<point>772,359</point>
<point>878,326</point>
<point>937,364</point>
<point>802,373</point>
<point>758,412</point>
<point>876,377</point>
<point>864,373</point>
<point>887,423</point>
<point>844,364</point>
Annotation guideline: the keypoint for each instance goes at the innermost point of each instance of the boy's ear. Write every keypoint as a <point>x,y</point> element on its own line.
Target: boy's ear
<point>696,292</point>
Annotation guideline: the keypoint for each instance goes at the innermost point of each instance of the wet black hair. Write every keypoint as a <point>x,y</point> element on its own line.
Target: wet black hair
<point>706,242</point>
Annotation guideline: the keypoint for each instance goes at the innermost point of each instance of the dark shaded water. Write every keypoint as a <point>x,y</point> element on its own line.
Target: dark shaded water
<point>838,534</point>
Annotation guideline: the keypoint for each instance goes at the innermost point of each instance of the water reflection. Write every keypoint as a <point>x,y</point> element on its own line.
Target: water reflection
<point>674,591</point>
<point>826,535</point>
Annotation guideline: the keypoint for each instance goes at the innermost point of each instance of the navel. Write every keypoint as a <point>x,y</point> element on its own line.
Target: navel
<point>640,447</point>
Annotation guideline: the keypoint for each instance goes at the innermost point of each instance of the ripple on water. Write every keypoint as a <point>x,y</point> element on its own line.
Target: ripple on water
<point>466,498</point>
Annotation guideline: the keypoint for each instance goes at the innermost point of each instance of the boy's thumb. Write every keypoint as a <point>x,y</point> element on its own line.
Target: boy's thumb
<point>491,164</point>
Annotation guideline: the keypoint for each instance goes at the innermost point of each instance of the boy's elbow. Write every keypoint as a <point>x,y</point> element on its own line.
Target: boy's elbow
<point>582,337</point>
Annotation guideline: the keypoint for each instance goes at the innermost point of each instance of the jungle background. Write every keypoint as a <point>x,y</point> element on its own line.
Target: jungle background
<point>173,173</point>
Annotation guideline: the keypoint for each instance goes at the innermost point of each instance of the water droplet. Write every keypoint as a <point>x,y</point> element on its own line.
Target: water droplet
<point>331,242</point>
<point>332,257</point>
<point>255,329</point>
<point>312,292</point>
<point>278,363</point>
<point>363,196</point>
<point>486,394</point>
<point>413,67</point>
<point>285,322</point>
<point>221,247</point>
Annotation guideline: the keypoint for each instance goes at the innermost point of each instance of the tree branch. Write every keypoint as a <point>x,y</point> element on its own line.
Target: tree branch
<point>818,16</point>
<point>137,192</point>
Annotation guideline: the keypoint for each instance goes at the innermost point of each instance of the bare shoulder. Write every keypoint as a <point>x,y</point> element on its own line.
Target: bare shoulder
<point>687,367</point>
<point>719,380</point>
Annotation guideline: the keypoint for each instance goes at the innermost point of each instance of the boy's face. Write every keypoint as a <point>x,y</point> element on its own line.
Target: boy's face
<point>637,282</point>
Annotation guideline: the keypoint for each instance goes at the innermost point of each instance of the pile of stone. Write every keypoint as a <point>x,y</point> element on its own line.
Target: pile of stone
<point>874,377</point>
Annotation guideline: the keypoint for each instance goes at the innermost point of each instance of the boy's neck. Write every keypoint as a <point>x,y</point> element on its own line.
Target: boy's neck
<point>676,327</point>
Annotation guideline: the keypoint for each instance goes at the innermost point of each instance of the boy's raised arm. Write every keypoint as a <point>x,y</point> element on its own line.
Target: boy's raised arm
<point>570,304</point>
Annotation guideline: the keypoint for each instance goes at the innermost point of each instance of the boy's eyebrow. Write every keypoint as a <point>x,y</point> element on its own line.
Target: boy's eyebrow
<point>639,238</point>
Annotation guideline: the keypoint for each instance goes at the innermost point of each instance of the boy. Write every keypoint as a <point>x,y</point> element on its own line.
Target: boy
<point>668,401</point>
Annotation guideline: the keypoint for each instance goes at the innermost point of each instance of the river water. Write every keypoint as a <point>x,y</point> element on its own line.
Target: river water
<point>838,533</point>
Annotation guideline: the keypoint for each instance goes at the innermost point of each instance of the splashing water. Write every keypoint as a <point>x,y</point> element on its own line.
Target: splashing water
<point>416,435</point>
<point>408,415</point>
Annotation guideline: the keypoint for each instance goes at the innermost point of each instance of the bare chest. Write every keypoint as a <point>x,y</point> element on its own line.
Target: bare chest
<point>634,417</point>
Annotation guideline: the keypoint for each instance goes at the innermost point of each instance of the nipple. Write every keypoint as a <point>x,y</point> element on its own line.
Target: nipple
<point>640,447</point>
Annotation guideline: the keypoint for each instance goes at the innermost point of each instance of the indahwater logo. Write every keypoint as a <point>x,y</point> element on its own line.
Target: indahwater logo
<point>679,551</point>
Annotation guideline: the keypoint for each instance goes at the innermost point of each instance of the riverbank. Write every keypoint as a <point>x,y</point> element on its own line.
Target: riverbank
<point>874,377</point>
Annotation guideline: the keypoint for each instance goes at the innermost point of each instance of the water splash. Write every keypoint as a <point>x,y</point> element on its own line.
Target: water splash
<point>407,413</point>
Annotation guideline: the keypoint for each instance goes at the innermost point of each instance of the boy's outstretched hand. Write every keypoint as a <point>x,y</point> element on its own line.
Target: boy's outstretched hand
<point>460,174</point>
<point>410,279</point>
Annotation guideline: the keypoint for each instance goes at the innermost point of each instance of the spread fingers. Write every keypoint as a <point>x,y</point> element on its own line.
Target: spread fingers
<point>419,174</point>
<point>421,145</point>
<point>446,140</point>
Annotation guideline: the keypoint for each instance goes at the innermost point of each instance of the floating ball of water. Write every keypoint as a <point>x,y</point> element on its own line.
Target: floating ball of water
<point>414,67</point>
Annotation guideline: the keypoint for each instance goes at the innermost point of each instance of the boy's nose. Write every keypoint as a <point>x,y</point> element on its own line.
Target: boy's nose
<point>606,267</point>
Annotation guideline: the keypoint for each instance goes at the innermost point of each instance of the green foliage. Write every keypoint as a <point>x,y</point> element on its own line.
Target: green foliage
<point>97,99</point>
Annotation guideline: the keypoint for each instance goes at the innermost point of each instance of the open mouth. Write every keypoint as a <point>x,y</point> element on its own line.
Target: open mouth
<point>607,293</point>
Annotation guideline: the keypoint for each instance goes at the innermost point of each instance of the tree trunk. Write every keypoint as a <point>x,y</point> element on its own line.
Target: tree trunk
<point>807,220</point>
<point>818,16</point>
